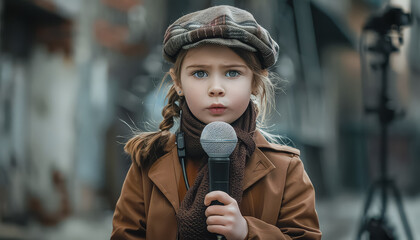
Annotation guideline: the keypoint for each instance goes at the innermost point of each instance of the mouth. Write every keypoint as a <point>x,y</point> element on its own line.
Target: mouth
<point>217,109</point>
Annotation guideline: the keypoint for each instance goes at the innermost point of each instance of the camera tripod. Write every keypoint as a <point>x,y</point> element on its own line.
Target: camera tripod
<point>377,227</point>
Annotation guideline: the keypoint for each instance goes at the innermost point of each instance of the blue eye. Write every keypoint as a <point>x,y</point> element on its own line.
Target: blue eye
<point>232,73</point>
<point>200,74</point>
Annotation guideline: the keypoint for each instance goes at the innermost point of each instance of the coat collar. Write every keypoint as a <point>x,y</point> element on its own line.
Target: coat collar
<point>165,173</point>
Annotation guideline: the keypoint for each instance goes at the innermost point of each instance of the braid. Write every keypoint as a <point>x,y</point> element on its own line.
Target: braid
<point>170,111</point>
<point>147,147</point>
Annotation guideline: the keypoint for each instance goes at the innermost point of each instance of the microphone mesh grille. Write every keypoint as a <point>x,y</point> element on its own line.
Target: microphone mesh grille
<point>218,139</point>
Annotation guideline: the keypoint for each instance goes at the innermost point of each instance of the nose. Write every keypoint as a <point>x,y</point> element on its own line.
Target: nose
<point>216,90</point>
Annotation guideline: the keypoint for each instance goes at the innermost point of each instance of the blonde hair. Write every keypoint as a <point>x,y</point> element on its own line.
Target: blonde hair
<point>147,147</point>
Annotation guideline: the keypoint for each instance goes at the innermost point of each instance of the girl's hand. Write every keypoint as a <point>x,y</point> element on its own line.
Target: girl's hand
<point>226,219</point>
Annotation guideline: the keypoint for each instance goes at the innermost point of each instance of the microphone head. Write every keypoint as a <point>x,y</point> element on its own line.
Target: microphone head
<point>218,139</point>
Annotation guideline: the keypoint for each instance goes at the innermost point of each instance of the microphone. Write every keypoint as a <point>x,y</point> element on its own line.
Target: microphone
<point>218,140</point>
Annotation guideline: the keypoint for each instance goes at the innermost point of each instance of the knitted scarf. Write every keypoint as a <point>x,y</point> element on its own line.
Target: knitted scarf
<point>191,218</point>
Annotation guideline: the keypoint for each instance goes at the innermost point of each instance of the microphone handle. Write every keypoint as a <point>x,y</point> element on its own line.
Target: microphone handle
<point>219,178</point>
<point>219,174</point>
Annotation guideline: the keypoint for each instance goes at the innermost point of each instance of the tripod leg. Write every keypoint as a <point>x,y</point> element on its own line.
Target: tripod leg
<point>400,206</point>
<point>384,197</point>
<point>368,201</point>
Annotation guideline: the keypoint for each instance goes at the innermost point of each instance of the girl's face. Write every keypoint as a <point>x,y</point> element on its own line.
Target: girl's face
<point>216,83</point>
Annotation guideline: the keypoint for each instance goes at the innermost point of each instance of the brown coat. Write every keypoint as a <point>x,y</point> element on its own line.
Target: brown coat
<point>278,200</point>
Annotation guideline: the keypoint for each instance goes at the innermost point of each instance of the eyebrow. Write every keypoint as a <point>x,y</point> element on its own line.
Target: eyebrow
<point>224,66</point>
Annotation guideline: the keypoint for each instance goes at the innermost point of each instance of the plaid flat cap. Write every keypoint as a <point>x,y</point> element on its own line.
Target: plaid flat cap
<point>223,25</point>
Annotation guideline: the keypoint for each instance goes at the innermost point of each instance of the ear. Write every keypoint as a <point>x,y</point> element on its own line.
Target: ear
<point>265,73</point>
<point>255,89</point>
<point>254,92</point>
<point>176,82</point>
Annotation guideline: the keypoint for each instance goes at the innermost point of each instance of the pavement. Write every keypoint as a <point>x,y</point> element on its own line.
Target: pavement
<point>340,217</point>
<point>339,220</point>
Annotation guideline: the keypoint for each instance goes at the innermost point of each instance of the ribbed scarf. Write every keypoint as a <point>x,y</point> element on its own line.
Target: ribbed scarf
<point>191,217</point>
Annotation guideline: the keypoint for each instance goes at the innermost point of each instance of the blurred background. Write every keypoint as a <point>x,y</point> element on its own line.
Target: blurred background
<point>77,76</point>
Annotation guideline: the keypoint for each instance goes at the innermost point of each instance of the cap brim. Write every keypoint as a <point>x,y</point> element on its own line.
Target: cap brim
<point>232,43</point>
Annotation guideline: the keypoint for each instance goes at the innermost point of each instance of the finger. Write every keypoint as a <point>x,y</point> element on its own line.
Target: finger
<point>215,210</point>
<point>218,229</point>
<point>219,196</point>
<point>217,220</point>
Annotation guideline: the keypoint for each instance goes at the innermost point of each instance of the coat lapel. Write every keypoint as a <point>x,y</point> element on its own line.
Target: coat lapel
<point>259,165</point>
<point>166,171</point>
<point>165,174</point>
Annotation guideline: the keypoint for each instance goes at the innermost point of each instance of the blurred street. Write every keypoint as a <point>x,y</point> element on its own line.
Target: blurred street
<point>339,218</point>
<point>78,78</point>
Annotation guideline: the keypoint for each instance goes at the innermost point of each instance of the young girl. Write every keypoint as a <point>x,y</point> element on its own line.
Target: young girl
<point>220,58</point>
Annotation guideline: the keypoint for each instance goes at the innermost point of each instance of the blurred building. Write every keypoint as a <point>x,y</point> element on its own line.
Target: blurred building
<point>77,77</point>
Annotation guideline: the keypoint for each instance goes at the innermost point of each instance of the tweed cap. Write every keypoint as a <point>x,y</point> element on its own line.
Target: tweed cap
<point>223,25</point>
